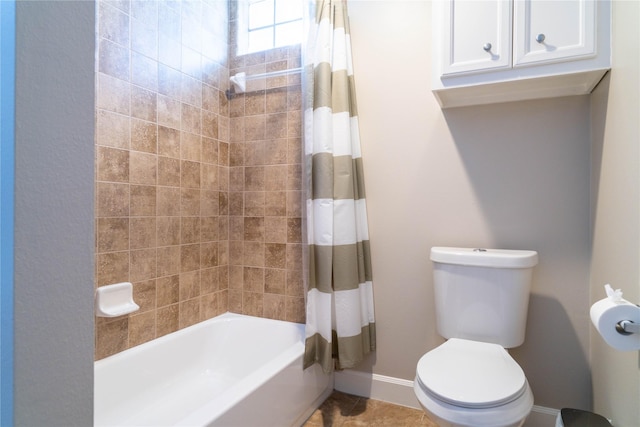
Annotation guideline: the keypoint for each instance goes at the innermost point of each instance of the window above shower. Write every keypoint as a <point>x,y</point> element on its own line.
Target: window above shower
<point>268,24</point>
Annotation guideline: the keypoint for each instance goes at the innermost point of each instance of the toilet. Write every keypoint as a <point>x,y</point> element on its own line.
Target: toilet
<point>481,299</point>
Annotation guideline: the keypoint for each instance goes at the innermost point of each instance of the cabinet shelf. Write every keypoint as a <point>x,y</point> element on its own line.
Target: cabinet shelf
<point>494,51</point>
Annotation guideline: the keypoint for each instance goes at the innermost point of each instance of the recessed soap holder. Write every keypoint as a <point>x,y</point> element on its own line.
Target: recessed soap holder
<point>115,300</point>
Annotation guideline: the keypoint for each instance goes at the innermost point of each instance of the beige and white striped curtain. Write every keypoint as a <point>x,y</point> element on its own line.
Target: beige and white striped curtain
<point>340,329</point>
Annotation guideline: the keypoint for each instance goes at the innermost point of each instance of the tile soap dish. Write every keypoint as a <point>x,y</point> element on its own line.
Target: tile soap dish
<point>115,300</point>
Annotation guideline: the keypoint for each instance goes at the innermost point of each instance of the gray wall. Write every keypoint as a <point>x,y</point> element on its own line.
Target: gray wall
<point>615,199</point>
<point>513,175</point>
<point>54,213</point>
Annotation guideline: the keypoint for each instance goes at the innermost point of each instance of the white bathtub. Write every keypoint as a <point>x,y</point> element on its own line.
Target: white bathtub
<point>232,370</point>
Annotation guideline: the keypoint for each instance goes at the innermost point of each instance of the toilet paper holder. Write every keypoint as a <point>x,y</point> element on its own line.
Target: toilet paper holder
<point>623,327</point>
<point>617,320</point>
<point>627,327</point>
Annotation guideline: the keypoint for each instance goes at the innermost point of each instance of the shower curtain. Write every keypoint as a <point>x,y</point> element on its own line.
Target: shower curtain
<point>340,329</point>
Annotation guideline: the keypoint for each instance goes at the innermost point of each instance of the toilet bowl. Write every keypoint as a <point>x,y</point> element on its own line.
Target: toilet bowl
<point>472,384</point>
<point>481,299</point>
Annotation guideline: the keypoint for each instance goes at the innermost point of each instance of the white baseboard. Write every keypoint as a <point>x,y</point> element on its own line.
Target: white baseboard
<point>378,387</point>
<point>400,392</point>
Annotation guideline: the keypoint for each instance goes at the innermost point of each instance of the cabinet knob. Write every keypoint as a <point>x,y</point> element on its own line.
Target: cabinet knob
<point>487,47</point>
<point>540,38</point>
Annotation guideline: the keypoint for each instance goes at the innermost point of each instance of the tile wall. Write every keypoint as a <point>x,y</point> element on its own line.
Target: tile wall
<point>198,198</point>
<point>265,198</point>
<point>162,151</point>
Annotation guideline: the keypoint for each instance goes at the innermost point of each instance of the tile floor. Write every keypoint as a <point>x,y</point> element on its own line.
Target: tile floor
<point>342,409</point>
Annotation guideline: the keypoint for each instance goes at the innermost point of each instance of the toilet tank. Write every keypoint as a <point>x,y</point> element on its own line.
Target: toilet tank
<point>482,294</point>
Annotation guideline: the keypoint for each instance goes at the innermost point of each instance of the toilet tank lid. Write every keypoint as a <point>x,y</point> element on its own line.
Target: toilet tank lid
<point>480,257</point>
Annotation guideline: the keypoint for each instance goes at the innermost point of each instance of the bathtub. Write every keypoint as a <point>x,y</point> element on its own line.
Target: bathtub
<point>232,370</point>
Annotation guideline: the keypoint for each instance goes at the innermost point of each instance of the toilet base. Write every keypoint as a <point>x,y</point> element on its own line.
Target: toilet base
<point>512,414</point>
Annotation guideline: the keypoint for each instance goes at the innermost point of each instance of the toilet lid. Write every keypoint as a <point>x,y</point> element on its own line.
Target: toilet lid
<point>471,374</point>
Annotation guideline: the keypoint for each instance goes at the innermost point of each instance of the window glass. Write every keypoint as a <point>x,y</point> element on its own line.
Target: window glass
<point>261,39</point>
<point>288,10</point>
<point>269,24</point>
<point>288,34</point>
<point>260,13</point>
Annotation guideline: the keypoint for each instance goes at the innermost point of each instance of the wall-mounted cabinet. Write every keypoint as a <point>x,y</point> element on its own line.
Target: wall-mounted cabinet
<point>489,51</point>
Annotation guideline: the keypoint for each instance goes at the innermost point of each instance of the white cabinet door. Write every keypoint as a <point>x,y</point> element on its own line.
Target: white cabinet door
<point>553,30</point>
<point>477,36</point>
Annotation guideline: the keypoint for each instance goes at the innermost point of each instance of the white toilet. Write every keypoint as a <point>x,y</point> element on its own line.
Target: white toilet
<point>481,299</point>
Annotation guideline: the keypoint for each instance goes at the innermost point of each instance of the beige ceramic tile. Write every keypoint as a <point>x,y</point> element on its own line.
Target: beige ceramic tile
<point>295,285</point>
<point>254,254</point>
<point>209,281</point>
<point>276,125</point>
<point>189,285</point>
<point>113,94</point>
<point>254,229</point>
<point>190,121</point>
<point>189,202</point>
<point>209,124</point>
<point>253,279</point>
<point>294,309</point>
<point>112,129</point>
<point>168,260</point>
<point>142,232</point>
<point>275,229</point>
<point>208,306</point>
<point>274,281</point>
<point>113,164</point>
<point>209,150</point>
<point>168,113</point>
<point>113,234</point>
<point>114,24</point>
<point>252,303</point>
<point>143,200</point>
<point>254,153</point>
<point>189,230</point>
<point>144,136</point>
<point>236,277</point>
<point>167,290</point>
<point>112,200</point>
<point>112,267</point>
<point>111,337</point>
<point>274,306</point>
<point>209,204</point>
<point>144,69</point>
<point>209,228</point>
<point>208,254</point>
<point>276,151</point>
<point>189,312</point>
<point>143,168</point>
<point>168,171</point>
<point>113,60</point>
<point>167,319</point>
<point>294,230</point>
<point>142,328</point>
<point>275,255</point>
<point>143,264</point>
<point>189,257</point>
<point>190,174</point>
<point>167,198</point>
<point>144,103</point>
<point>169,142</point>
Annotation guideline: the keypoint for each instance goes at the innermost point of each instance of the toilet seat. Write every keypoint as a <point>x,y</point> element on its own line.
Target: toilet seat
<point>471,374</point>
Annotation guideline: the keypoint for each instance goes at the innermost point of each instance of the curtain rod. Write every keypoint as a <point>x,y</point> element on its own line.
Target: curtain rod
<point>239,81</point>
<point>272,73</point>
